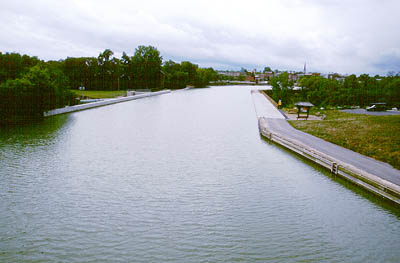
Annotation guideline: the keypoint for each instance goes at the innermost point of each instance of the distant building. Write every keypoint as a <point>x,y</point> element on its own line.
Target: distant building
<point>259,77</point>
<point>230,73</point>
<point>268,75</point>
<point>294,76</point>
<point>249,78</point>
<point>336,76</point>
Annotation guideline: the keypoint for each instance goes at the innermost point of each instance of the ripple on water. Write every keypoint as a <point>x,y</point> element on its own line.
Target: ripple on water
<point>182,177</point>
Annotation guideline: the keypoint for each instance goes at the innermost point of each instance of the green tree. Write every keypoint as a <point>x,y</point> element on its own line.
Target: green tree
<point>36,91</point>
<point>267,69</point>
<point>241,77</point>
<point>126,71</point>
<point>175,77</point>
<point>77,71</point>
<point>191,70</point>
<point>13,65</point>
<point>147,68</point>
<point>282,87</point>
<point>108,70</point>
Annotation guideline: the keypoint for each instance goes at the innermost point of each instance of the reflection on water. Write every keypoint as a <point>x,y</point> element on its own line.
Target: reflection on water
<point>182,177</point>
<point>40,131</point>
<point>379,201</point>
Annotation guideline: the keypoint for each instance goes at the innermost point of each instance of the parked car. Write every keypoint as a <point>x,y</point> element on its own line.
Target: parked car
<point>379,106</point>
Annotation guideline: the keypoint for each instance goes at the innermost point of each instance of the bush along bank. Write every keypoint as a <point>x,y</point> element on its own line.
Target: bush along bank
<point>350,91</point>
<point>29,86</point>
<point>35,90</point>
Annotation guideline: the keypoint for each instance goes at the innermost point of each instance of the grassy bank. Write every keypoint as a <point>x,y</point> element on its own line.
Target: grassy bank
<point>100,94</point>
<point>374,136</point>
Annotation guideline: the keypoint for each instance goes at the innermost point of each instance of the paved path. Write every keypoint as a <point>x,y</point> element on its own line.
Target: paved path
<point>282,127</point>
<point>101,103</point>
<point>380,169</point>
<point>264,107</point>
<point>376,113</point>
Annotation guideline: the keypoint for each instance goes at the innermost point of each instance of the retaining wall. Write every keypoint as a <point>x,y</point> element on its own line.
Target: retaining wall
<point>269,98</point>
<point>359,177</point>
<point>101,103</point>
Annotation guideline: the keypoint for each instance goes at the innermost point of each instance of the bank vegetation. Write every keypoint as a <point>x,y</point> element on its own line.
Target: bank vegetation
<point>374,136</point>
<point>29,86</point>
<point>342,92</point>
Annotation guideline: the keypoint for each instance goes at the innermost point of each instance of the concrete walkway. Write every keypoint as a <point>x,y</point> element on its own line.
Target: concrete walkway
<point>375,113</point>
<point>264,108</point>
<point>372,166</point>
<point>386,177</point>
<point>102,103</point>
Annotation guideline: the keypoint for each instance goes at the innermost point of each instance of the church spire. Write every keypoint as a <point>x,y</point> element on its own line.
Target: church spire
<point>305,68</point>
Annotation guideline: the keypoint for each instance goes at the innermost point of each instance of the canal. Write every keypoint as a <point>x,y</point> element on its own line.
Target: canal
<point>181,177</point>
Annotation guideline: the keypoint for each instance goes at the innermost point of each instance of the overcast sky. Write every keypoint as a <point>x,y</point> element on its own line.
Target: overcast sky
<point>352,36</point>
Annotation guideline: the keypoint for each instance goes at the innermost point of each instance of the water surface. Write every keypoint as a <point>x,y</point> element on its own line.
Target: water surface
<point>181,177</point>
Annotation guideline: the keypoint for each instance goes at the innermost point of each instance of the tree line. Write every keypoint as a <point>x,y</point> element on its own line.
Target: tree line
<point>29,86</point>
<point>349,91</point>
<point>143,70</point>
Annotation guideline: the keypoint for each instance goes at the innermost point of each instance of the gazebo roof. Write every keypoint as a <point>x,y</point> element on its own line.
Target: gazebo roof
<point>304,104</point>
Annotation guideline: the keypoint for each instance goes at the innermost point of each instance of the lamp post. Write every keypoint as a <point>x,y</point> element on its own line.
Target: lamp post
<point>82,88</point>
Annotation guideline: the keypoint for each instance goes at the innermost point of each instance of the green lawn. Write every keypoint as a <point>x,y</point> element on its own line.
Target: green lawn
<point>375,136</point>
<point>100,94</point>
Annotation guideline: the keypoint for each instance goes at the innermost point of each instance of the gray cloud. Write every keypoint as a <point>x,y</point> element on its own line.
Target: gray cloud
<point>390,62</point>
<point>341,36</point>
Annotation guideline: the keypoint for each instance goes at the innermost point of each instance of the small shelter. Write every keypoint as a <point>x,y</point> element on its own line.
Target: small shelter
<point>303,109</point>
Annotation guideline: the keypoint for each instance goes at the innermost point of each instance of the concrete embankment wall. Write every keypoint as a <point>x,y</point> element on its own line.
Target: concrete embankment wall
<point>270,99</point>
<point>362,178</point>
<point>101,103</point>
<point>359,177</point>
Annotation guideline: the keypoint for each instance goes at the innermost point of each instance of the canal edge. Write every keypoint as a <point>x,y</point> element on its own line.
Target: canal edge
<point>100,103</point>
<point>362,178</point>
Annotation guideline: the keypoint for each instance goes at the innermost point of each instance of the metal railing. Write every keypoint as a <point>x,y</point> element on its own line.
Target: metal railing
<point>364,179</point>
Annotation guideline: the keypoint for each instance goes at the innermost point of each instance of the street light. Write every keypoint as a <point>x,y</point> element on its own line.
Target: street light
<point>82,88</point>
